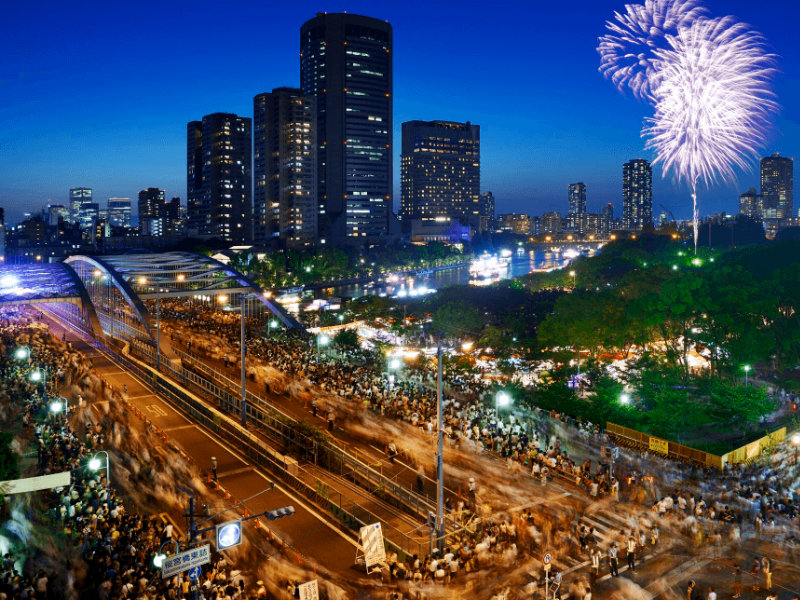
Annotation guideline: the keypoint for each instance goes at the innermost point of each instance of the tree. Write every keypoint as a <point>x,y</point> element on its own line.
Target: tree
<point>346,338</point>
<point>456,319</point>
<point>9,467</point>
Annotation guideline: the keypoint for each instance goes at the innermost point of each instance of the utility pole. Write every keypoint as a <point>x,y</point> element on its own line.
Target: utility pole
<point>440,455</point>
<point>244,372</point>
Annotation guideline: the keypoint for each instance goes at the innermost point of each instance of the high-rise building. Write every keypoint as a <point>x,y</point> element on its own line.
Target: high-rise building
<point>346,64</point>
<point>551,223</point>
<point>607,222</point>
<point>577,198</point>
<point>487,211</point>
<point>88,215</point>
<point>77,198</point>
<point>440,171</point>
<point>517,223</point>
<point>285,199</point>
<point>751,204</point>
<point>152,212</point>
<point>119,212</point>
<point>219,185</point>
<point>777,186</point>
<point>637,193</point>
<point>56,212</point>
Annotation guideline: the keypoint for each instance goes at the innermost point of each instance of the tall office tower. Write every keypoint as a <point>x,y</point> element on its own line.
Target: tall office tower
<point>152,212</point>
<point>88,215</point>
<point>637,193</point>
<point>577,198</point>
<point>346,63</point>
<point>486,208</point>
<point>56,212</point>
<point>777,186</point>
<point>219,185</point>
<point>285,168</point>
<point>77,198</point>
<point>607,222</point>
<point>551,223</point>
<point>440,171</point>
<point>751,204</point>
<point>119,212</point>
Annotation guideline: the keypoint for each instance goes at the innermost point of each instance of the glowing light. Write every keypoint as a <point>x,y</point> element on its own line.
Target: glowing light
<point>21,353</point>
<point>323,340</point>
<point>467,346</point>
<point>502,399</point>
<point>624,399</point>
<point>36,376</point>
<point>697,262</point>
<point>9,281</point>
<point>222,299</point>
<point>94,464</point>
<point>394,363</point>
<point>56,406</point>
<point>708,80</point>
<point>181,277</point>
<point>674,267</point>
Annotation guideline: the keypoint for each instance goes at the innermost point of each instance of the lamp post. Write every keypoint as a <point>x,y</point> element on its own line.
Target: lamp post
<point>22,353</point>
<point>574,278</point>
<point>158,559</point>
<point>746,371</point>
<point>796,444</point>
<point>56,406</point>
<point>501,399</point>
<point>394,365</point>
<point>322,340</point>
<point>94,465</point>
<point>270,324</point>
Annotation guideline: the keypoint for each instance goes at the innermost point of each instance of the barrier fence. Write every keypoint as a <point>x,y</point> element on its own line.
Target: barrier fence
<point>633,438</point>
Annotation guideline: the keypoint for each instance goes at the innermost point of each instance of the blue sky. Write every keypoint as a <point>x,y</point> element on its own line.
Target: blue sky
<point>99,94</point>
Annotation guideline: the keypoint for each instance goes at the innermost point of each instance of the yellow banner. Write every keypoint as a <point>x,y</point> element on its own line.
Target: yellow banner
<point>659,445</point>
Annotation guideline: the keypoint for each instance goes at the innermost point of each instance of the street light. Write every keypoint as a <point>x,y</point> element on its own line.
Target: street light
<point>574,278</point>
<point>56,407</point>
<point>624,399</point>
<point>272,323</point>
<point>501,399</point>
<point>94,465</point>
<point>796,443</point>
<point>746,371</point>
<point>322,340</point>
<point>22,353</point>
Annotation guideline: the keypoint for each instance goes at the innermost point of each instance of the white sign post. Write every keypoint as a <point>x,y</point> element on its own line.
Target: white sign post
<point>547,566</point>
<point>309,590</point>
<point>178,563</point>
<point>372,546</point>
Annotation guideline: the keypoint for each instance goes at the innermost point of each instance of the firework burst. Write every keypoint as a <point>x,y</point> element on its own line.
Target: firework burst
<point>708,80</point>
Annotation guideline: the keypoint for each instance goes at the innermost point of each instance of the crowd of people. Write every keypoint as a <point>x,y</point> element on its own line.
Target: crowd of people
<point>101,551</point>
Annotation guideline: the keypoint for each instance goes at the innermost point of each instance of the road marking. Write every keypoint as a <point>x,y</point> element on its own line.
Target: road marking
<point>139,396</point>
<point>232,472</point>
<point>156,410</point>
<point>179,427</point>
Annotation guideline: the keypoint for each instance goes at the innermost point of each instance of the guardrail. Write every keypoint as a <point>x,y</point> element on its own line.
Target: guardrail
<point>325,453</point>
<point>349,513</point>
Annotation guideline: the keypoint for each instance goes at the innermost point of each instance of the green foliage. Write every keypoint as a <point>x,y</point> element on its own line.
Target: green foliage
<point>9,466</point>
<point>457,319</point>
<point>346,338</point>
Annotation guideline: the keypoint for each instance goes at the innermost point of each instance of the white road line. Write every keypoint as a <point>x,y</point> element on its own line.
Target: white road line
<point>179,427</point>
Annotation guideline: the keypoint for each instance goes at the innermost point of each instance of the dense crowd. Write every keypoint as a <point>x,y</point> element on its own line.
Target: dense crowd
<point>102,551</point>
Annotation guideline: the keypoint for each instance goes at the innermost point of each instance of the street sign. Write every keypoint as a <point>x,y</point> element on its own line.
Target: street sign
<point>178,563</point>
<point>229,534</point>
<point>547,558</point>
<point>194,573</point>
<point>309,590</point>
<point>372,544</point>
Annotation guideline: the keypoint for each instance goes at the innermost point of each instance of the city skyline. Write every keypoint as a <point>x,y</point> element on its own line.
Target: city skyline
<point>531,150</point>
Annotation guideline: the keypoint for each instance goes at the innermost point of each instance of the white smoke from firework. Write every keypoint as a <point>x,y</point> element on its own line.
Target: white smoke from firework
<point>708,80</point>
<point>627,51</point>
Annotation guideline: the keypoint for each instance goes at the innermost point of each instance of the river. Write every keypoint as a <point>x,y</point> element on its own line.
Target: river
<point>522,263</point>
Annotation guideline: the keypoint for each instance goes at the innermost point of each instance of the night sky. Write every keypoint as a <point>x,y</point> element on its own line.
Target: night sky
<point>99,94</point>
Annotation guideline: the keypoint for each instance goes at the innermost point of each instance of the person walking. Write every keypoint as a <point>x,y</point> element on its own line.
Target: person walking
<point>712,595</point>
<point>596,562</point>
<point>755,572</point>
<point>214,468</point>
<point>737,582</point>
<point>631,552</point>
<point>690,589</point>
<point>766,567</point>
<point>612,560</point>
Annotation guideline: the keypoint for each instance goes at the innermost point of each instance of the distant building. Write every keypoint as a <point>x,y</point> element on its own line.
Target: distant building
<point>486,210</point>
<point>152,212</point>
<point>517,223</point>
<point>346,64</point>
<point>219,184</point>
<point>119,212</point>
<point>577,198</point>
<point>751,204</point>
<point>777,186</point>
<point>608,219</point>
<point>440,171</point>
<point>89,213</point>
<point>77,198</point>
<point>551,223</point>
<point>637,193</point>
<point>285,201</point>
<point>56,212</point>
<point>440,229</point>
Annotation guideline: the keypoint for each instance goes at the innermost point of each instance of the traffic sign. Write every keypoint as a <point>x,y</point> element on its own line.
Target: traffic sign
<point>372,544</point>
<point>547,558</point>
<point>178,563</point>
<point>194,573</point>
<point>309,590</point>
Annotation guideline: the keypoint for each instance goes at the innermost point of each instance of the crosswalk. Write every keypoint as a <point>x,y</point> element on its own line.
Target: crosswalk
<point>609,527</point>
